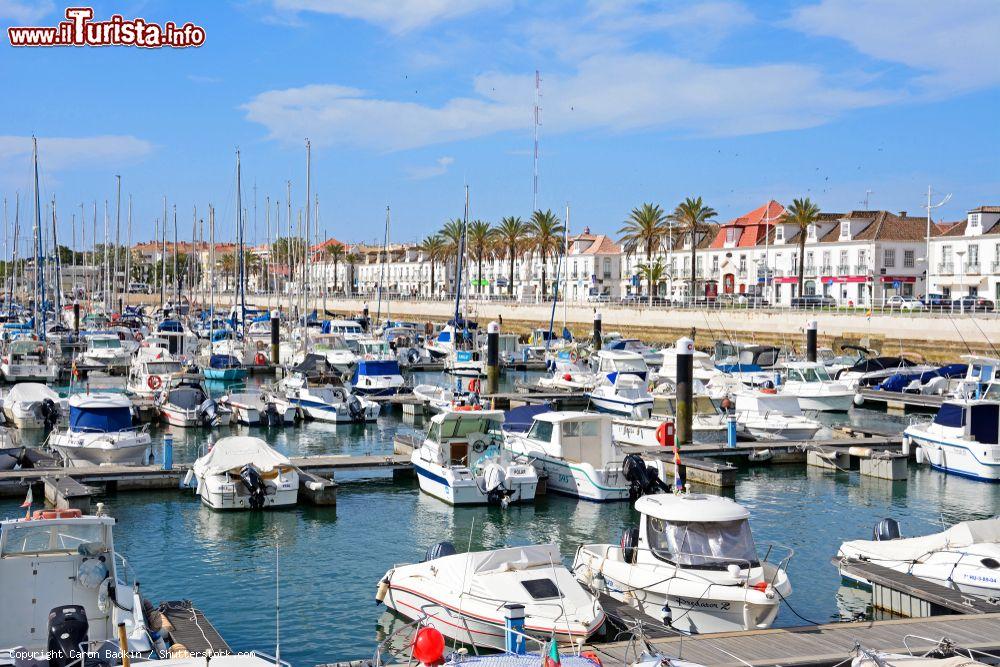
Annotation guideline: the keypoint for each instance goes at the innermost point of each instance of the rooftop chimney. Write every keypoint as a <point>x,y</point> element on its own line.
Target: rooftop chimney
<point>902,214</point>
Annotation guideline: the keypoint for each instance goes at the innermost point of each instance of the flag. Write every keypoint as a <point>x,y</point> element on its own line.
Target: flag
<point>552,659</point>
<point>27,499</point>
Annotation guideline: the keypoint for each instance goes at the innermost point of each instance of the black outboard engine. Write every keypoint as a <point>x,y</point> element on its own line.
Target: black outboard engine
<point>885,530</point>
<point>271,416</point>
<point>630,545</point>
<point>49,412</point>
<point>68,629</point>
<point>209,412</point>
<point>254,483</point>
<point>439,550</point>
<point>643,479</point>
<point>356,410</point>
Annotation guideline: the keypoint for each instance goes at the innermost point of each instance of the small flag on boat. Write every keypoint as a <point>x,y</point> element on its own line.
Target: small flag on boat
<point>552,659</point>
<point>27,499</point>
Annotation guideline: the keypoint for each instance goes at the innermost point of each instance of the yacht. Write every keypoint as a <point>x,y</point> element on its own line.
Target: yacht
<point>186,403</point>
<point>327,402</point>
<point>691,564</point>
<point>377,378</point>
<point>964,557</point>
<point>339,355</point>
<point>100,432</point>
<point>243,473</point>
<point>812,385</point>
<point>461,461</point>
<point>771,416</point>
<point>254,407</point>
<point>105,350</point>
<point>27,359</point>
<point>65,587</point>
<point>32,405</point>
<point>578,452</point>
<point>651,356</point>
<point>870,369</point>
<point>963,438</point>
<point>626,396</point>
<point>151,370</point>
<point>709,423</point>
<point>702,368</point>
<point>612,364</point>
<point>463,595</point>
<point>571,371</point>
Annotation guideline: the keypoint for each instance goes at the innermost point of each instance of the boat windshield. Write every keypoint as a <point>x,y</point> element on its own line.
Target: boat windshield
<point>105,343</point>
<point>34,538</point>
<point>630,365</point>
<point>813,374</point>
<point>460,428</point>
<point>710,545</point>
<point>163,367</point>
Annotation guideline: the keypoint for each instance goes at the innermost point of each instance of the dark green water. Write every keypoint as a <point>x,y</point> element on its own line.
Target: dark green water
<point>332,558</point>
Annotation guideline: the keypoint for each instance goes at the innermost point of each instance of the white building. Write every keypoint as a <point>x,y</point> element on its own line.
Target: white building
<point>965,256</point>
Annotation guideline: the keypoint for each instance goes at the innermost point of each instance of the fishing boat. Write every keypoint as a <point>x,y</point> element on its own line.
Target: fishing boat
<point>105,350</point>
<point>771,416</point>
<point>100,432</point>
<point>965,557</point>
<point>24,358</point>
<point>461,461</point>
<point>186,403</point>
<point>243,473</point>
<point>463,595</point>
<point>225,368</point>
<point>327,402</point>
<point>31,405</point>
<point>963,439</point>
<point>152,368</point>
<point>626,396</point>
<point>66,588</point>
<point>440,399</point>
<point>691,564</point>
<point>255,407</point>
<point>812,385</point>
<point>377,378</point>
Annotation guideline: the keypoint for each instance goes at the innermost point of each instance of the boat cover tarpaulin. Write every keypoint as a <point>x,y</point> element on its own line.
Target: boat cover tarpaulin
<point>101,419</point>
<point>959,536</point>
<point>899,381</point>
<point>234,452</point>
<point>30,392</point>
<point>516,558</point>
<point>519,420</point>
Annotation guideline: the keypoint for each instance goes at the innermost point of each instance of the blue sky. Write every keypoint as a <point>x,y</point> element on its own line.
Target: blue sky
<point>406,101</point>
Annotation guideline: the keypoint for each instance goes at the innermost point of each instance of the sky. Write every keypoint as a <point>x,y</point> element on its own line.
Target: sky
<point>408,101</point>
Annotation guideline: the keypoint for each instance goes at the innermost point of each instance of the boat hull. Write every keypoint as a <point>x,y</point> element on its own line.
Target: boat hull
<point>88,457</point>
<point>436,483</point>
<point>957,457</point>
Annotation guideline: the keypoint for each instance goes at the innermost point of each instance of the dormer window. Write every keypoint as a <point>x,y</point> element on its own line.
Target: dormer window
<point>779,233</point>
<point>845,229</point>
<point>974,220</point>
<point>731,235</point>
<point>812,232</point>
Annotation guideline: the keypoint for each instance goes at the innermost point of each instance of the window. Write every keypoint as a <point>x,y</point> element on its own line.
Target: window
<point>30,538</point>
<point>889,257</point>
<point>541,431</point>
<point>710,545</point>
<point>743,263</point>
<point>812,232</point>
<point>607,267</point>
<point>779,233</point>
<point>973,254</point>
<point>908,259</point>
<point>809,260</point>
<point>845,229</point>
<point>731,235</point>
<point>715,264</point>
<point>541,589</point>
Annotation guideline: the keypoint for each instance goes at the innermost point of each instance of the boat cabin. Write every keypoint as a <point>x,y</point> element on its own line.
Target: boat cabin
<point>346,328</point>
<point>764,404</point>
<point>373,348</point>
<point>738,358</point>
<point>612,363</point>
<point>577,437</point>
<point>459,438</point>
<point>100,413</point>
<point>976,420</point>
<point>805,371</point>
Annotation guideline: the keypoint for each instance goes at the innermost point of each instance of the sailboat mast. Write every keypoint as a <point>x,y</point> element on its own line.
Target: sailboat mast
<point>458,263</point>
<point>239,249</point>
<point>306,258</point>
<point>381,280</point>
<point>128,250</point>
<point>39,253</point>
<point>58,263</point>
<point>163,254</point>
<point>177,278</point>
<point>566,266</point>
<point>118,237</point>
<point>211,272</point>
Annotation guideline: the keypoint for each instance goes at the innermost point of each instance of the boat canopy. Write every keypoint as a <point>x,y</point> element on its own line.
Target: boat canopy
<point>959,536</point>
<point>234,452</point>
<point>516,558</point>
<point>519,420</point>
<point>378,367</point>
<point>223,361</point>
<point>186,397</point>
<point>690,507</point>
<point>984,423</point>
<point>30,392</point>
<point>104,413</point>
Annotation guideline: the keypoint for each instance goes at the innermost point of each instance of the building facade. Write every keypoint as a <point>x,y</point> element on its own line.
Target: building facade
<point>965,256</point>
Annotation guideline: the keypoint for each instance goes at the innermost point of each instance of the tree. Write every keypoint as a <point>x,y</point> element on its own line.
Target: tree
<point>287,251</point>
<point>478,237</point>
<point>509,237</point>
<point>335,253</point>
<point>228,265</point>
<point>434,248</point>
<point>653,273</point>
<point>545,231</point>
<point>351,260</point>
<point>692,216</point>
<point>802,213</point>
<point>645,228</point>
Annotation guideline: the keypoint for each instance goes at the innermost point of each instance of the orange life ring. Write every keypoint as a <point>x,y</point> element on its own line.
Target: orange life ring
<point>474,385</point>
<point>665,434</point>
<point>154,382</point>
<point>138,336</point>
<point>56,514</point>
<point>260,359</point>
<point>573,356</point>
<point>590,655</point>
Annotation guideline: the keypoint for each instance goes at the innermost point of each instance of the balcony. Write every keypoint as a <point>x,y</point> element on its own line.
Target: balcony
<point>843,269</point>
<point>810,270</point>
<point>972,268</point>
<point>946,268</point>
<point>826,269</point>
<point>742,273</point>
<point>861,269</point>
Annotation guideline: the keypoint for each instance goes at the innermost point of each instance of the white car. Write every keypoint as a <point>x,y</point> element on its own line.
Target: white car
<point>904,303</point>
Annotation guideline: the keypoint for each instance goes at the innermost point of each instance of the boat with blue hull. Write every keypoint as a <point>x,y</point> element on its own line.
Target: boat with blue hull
<point>225,367</point>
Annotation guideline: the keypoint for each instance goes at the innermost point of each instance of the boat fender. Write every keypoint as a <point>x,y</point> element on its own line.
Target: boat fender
<point>91,573</point>
<point>667,616</point>
<point>188,479</point>
<point>260,359</point>
<point>383,588</point>
<point>104,596</point>
<point>413,356</point>
<point>919,455</point>
<point>860,452</point>
<point>905,448</point>
<point>859,400</point>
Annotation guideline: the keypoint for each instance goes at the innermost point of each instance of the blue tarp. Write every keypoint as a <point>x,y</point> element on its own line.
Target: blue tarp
<point>171,326</point>
<point>950,414</point>
<point>385,367</point>
<point>985,426</point>
<point>739,368</point>
<point>518,420</point>
<point>899,381</point>
<point>104,420</point>
<point>223,361</point>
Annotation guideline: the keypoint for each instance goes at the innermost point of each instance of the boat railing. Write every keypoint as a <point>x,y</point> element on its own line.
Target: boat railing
<point>944,646</point>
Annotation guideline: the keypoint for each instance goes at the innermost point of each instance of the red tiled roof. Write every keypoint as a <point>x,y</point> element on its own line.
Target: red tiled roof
<point>753,226</point>
<point>601,244</point>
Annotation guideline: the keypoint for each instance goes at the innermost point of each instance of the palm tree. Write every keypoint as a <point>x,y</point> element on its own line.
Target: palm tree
<point>434,248</point>
<point>335,253</point>
<point>228,266</point>
<point>510,236</point>
<point>692,216</point>
<point>545,231</point>
<point>645,228</point>
<point>802,213</point>
<point>351,260</point>
<point>478,237</point>
<point>653,273</point>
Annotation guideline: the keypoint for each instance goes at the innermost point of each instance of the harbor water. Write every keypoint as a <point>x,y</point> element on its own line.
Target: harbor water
<point>331,558</point>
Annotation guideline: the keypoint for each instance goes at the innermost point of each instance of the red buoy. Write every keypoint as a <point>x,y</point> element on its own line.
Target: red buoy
<point>428,646</point>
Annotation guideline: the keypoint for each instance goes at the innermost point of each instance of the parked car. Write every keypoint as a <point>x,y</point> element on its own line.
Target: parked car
<point>904,303</point>
<point>752,301</point>
<point>972,304</point>
<point>814,301</point>
<point>935,301</point>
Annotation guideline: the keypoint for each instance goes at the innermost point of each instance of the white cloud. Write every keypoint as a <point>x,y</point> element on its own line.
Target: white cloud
<point>616,93</point>
<point>439,168</point>
<point>25,12</point>
<point>954,44</point>
<point>395,15</point>
<point>66,153</point>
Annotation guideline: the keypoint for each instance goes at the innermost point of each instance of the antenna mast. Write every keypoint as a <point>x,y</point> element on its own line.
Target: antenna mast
<point>538,110</point>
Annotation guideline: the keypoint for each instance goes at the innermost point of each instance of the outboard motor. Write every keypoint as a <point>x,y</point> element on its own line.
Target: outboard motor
<point>630,545</point>
<point>271,416</point>
<point>439,550</point>
<point>209,412</point>
<point>355,409</point>
<point>885,530</point>
<point>68,628</point>
<point>643,478</point>
<point>495,478</point>
<point>254,483</point>
<point>49,412</point>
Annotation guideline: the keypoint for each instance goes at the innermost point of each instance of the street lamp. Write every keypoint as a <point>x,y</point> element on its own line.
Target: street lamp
<point>927,252</point>
<point>961,278</point>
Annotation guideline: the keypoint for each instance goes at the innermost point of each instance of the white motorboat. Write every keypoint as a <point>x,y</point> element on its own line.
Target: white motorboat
<point>65,586</point>
<point>965,557</point>
<point>579,454</point>
<point>463,595</point>
<point>338,354</point>
<point>27,359</point>
<point>100,432</point>
<point>106,351</point>
<point>465,363</point>
<point>461,461</point>
<point>963,439</point>
<point>243,473</point>
<point>186,403</point>
<point>708,423</point>
<point>377,377</point>
<point>440,399</point>
<point>870,369</point>
<point>702,368</point>
<point>812,385</point>
<point>771,416</point>
<point>33,405</point>
<point>691,564</point>
<point>571,371</point>
<point>329,402</point>
<point>627,396</point>
<point>254,407</point>
<point>651,356</point>
<point>612,364</point>
<point>152,369</point>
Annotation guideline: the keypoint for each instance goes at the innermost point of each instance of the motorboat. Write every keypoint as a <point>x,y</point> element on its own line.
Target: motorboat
<point>225,367</point>
<point>377,377</point>
<point>32,405</point>
<point>461,461</point>
<point>100,432</point>
<point>870,369</point>
<point>441,345</point>
<point>243,473</point>
<point>691,564</point>
<point>965,557</point>
<point>963,438</point>
<point>611,364</point>
<point>105,350</point>
<point>741,358</point>
<point>571,371</point>
<point>772,416</point>
<point>702,368</point>
<point>66,588</point>
<point>709,423</point>
<point>578,453</point>
<point>465,363</point>
<point>26,359</point>
<point>255,407</point>
<point>152,368</point>
<point>187,403</point>
<point>439,399</point>
<point>812,385</point>
<point>650,355</point>
<point>182,343</point>
<point>627,396</point>
<point>339,355</point>
<point>348,329</point>
<point>327,402</point>
<point>463,595</point>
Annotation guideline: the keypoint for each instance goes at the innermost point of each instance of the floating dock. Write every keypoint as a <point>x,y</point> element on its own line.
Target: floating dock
<point>897,402</point>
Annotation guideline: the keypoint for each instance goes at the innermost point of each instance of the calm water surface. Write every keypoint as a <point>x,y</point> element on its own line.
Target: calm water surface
<point>332,558</point>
